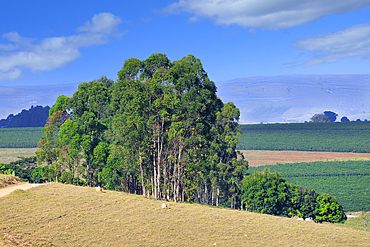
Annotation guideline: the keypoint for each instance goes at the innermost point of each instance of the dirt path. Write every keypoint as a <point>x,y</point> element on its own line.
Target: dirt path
<point>7,190</point>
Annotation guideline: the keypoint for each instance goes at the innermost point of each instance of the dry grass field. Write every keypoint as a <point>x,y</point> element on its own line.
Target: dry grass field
<point>265,157</point>
<point>66,215</point>
<point>8,155</point>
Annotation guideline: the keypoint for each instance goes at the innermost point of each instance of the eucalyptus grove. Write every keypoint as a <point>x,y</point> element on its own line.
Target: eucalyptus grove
<point>160,131</point>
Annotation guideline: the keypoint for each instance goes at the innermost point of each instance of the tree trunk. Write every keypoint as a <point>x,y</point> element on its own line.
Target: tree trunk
<point>205,192</point>
<point>212,193</point>
<point>218,196</point>
<point>142,175</point>
<point>88,172</point>
<point>155,178</point>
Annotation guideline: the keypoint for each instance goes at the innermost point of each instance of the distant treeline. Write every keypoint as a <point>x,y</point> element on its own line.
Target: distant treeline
<point>329,137</point>
<point>34,117</point>
<point>348,181</point>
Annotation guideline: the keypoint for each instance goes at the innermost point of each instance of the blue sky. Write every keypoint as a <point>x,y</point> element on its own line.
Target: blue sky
<point>61,42</point>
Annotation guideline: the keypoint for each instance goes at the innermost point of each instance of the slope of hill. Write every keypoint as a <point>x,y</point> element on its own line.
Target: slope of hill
<point>296,98</point>
<point>34,117</point>
<point>66,215</point>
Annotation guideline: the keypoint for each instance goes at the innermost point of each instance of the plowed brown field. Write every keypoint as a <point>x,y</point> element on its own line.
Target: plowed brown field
<point>266,157</point>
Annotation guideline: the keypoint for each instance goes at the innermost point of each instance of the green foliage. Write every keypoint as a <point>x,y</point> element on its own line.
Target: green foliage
<point>302,202</point>
<point>20,137</point>
<point>160,130</point>
<point>66,177</point>
<point>267,193</point>
<point>270,193</point>
<point>45,174</point>
<point>21,168</point>
<point>170,125</point>
<point>328,210</point>
<point>348,181</point>
<point>330,137</point>
<point>60,105</point>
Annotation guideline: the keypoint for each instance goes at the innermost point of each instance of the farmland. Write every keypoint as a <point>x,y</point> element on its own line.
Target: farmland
<point>8,155</point>
<point>348,181</point>
<point>324,137</point>
<point>268,157</point>
<point>20,137</point>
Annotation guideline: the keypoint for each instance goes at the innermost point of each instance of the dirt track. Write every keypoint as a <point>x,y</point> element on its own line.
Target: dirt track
<point>7,190</point>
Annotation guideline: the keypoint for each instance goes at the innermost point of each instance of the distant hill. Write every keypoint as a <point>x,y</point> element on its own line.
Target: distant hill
<point>14,99</point>
<point>34,117</point>
<point>268,99</point>
<point>296,98</point>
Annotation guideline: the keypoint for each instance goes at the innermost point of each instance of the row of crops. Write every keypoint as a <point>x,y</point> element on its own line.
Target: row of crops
<point>327,137</point>
<point>20,137</point>
<point>348,181</point>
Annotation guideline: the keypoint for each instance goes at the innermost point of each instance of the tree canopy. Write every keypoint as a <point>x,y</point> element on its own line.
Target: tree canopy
<point>160,131</point>
<point>270,193</point>
<point>320,118</point>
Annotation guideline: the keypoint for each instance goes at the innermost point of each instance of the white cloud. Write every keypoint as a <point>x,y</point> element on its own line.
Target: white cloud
<point>50,53</point>
<point>266,14</point>
<point>101,23</point>
<point>350,42</point>
<point>11,74</point>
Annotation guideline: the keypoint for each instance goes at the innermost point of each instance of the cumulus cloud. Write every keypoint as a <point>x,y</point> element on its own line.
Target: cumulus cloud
<point>50,53</point>
<point>350,42</point>
<point>267,14</point>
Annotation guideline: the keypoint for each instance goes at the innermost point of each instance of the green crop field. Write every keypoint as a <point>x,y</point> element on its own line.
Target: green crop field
<point>20,137</point>
<point>329,137</point>
<point>348,181</point>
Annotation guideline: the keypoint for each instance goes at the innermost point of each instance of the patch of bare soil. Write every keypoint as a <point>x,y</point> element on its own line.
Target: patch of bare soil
<point>267,157</point>
<point>10,189</point>
<point>8,180</point>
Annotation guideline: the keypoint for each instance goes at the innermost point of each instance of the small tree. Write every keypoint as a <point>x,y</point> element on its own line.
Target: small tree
<point>331,115</point>
<point>302,202</point>
<point>266,192</point>
<point>329,210</point>
<point>320,118</point>
<point>344,119</point>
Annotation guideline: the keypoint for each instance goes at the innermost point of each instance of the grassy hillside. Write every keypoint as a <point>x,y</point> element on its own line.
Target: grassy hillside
<point>327,137</point>
<point>66,215</point>
<point>20,137</point>
<point>348,181</point>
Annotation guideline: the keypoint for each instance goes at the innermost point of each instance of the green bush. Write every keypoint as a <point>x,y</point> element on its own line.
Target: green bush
<point>329,210</point>
<point>66,177</point>
<point>269,193</point>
